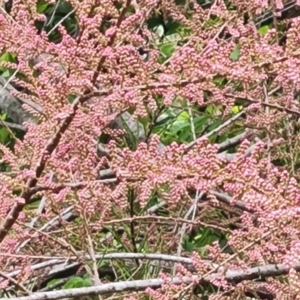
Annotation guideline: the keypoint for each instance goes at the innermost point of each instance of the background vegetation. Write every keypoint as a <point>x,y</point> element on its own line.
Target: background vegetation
<point>216,207</point>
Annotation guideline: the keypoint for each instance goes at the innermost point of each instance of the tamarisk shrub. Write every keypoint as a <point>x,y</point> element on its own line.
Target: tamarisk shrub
<point>85,81</point>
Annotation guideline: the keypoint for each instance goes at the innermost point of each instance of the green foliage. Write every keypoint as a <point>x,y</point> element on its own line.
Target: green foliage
<point>7,57</point>
<point>172,124</point>
<point>7,135</point>
<point>167,50</point>
<point>264,29</point>
<point>235,54</point>
<point>205,236</point>
<point>4,136</point>
<point>77,282</point>
<point>175,124</point>
<point>42,6</point>
<point>55,13</point>
<point>53,282</point>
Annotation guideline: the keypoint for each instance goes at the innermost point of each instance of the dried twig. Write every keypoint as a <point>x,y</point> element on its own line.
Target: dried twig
<point>138,285</point>
<point>15,282</point>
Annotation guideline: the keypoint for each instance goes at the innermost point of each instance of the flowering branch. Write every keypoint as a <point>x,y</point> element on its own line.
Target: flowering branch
<point>12,216</point>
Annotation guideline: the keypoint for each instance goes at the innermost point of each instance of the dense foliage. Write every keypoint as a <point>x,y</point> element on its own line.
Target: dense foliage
<point>149,149</point>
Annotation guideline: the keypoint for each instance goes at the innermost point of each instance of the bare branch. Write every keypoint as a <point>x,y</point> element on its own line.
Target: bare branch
<point>13,107</point>
<point>15,282</point>
<point>221,127</point>
<point>138,285</point>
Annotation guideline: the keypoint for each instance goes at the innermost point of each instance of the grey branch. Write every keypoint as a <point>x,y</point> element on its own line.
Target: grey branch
<point>234,141</point>
<point>138,285</point>
<point>38,266</point>
<point>135,285</point>
<point>12,106</point>
<point>13,125</point>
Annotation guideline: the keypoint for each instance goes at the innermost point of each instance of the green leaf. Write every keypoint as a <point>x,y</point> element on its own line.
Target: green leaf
<point>179,125</point>
<point>187,245</point>
<point>236,109</point>
<point>200,121</point>
<point>206,237</point>
<point>87,282</point>
<point>174,27</point>
<point>71,98</point>
<point>42,6</point>
<point>167,49</point>
<point>64,7</point>
<point>264,29</point>
<point>7,73</point>
<point>53,281</point>
<point>163,121</point>
<point>74,282</point>
<point>154,22</point>
<point>184,116</point>
<point>6,57</point>
<point>213,109</point>
<point>103,263</point>
<point>219,81</point>
<point>185,135</point>
<point>4,134</point>
<point>235,54</point>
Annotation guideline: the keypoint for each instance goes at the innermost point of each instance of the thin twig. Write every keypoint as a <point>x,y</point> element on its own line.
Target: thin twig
<point>15,282</point>
<point>60,21</point>
<point>191,211</point>
<point>91,252</point>
<point>47,227</point>
<point>216,130</point>
<point>14,126</point>
<point>9,88</point>
<point>58,240</point>
<point>140,285</point>
<point>8,129</point>
<point>164,220</point>
<point>275,106</point>
<point>231,257</point>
